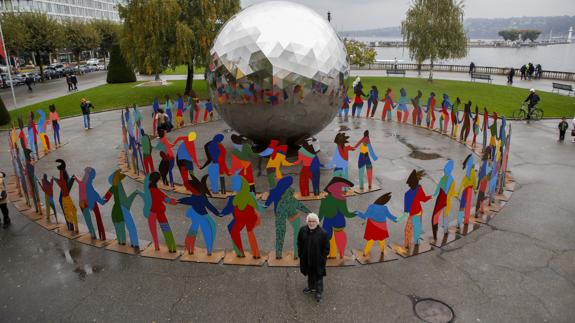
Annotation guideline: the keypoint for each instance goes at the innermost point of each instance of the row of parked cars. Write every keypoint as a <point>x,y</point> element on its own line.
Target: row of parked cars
<point>52,71</point>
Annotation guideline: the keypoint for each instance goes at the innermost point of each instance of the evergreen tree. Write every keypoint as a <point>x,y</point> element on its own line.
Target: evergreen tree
<point>118,70</point>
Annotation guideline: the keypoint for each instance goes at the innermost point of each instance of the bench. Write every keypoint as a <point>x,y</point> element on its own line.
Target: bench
<point>397,72</point>
<point>561,86</point>
<point>475,76</point>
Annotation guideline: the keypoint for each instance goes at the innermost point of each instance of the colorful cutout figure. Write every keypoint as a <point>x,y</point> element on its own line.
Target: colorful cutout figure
<point>444,194</point>
<point>344,104</point>
<point>333,210</point>
<point>466,128</point>
<point>154,200</point>
<point>68,208</point>
<point>376,226</point>
<point>286,208</point>
<point>466,189</point>
<point>55,121</point>
<point>186,156</point>
<point>430,111</point>
<point>198,213</point>
<point>340,160</point>
<point>388,105</point>
<point>483,181</point>
<point>44,140</point>
<point>417,114</point>
<point>310,170</point>
<point>47,187</point>
<point>242,157</point>
<point>216,162</point>
<point>275,162</point>
<point>372,100</point>
<point>402,111</point>
<point>444,117</point>
<point>121,216</point>
<point>89,199</point>
<point>412,206</point>
<point>366,153</point>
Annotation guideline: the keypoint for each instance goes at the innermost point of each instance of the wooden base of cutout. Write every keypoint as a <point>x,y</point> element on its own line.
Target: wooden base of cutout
<point>503,197</point>
<point>287,260</point>
<point>201,255</point>
<point>484,217</point>
<point>310,197</point>
<point>222,196</point>
<point>64,232</point>
<point>375,256</point>
<point>468,228</point>
<point>413,250</point>
<point>232,259</point>
<point>48,225</point>
<point>87,239</point>
<point>31,214</point>
<point>442,238</point>
<point>163,253</point>
<point>127,249</point>
<point>365,190</point>
<point>494,207</point>
<point>347,260</point>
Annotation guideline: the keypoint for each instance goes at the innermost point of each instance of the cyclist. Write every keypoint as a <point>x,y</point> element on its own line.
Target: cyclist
<point>533,99</point>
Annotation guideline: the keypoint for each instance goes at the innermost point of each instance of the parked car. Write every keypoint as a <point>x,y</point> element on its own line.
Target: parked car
<point>36,77</point>
<point>93,61</point>
<point>17,79</point>
<point>50,74</point>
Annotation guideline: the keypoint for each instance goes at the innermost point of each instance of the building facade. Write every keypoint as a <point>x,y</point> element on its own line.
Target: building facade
<point>67,9</point>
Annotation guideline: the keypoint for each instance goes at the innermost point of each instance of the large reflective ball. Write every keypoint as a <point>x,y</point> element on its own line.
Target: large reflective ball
<point>277,71</point>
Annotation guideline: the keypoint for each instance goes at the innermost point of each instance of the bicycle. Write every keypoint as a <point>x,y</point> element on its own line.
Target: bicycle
<point>523,111</point>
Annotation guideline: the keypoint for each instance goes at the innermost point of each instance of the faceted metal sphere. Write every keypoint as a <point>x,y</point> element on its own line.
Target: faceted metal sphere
<point>277,71</point>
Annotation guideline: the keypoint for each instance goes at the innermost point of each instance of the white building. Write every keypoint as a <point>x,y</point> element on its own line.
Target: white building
<point>67,9</point>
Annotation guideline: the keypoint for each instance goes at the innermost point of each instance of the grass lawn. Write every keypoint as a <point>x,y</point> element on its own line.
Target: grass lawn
<point>111,96</point>
<point>502,99</point>
<point>183,70</point>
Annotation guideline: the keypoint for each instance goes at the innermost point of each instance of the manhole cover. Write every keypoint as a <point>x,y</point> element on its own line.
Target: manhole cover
<point>433,311</point>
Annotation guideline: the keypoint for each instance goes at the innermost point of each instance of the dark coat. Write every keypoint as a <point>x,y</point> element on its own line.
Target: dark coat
<point>313,248</point>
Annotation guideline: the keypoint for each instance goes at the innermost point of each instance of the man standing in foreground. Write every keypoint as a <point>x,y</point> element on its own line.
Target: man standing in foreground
<point>313,248</point>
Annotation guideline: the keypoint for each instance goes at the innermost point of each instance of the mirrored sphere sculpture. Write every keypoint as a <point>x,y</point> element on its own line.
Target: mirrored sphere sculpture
<point>277,71</point>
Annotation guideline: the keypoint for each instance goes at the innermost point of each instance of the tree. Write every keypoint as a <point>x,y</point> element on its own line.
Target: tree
<point>530,34</point>
<point>4,114</point>
<point>79,37</point>
<point>150,35</point>
<point>119,71</point>
<point>433,29</point>
<point>510,35</point>
<point>15,35</point>
<point>109,34</point>
<point>359,53</point>
<point>45,35</point>
<point>205,19</point>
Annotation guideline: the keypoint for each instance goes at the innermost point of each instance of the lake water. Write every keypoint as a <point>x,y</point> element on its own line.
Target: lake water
<point>551,58</point>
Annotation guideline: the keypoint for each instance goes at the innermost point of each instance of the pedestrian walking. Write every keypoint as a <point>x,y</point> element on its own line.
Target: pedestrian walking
<point>28,81</point>
<point>86,105</point>
<point>563,125</point>
<point>530,70</point>
<point>69,82</point>
<point>471,68</point>
<point>74,81</point>
<point>573,129</point>
<point>4,201</point>
<point>523,71</point>
<point>313,248</point>
<point>510,76</point>
<point>538,71</point>
<point>395,63</point>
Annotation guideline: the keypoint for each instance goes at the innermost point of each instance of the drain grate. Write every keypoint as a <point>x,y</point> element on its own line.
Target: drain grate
<point>433,311</point>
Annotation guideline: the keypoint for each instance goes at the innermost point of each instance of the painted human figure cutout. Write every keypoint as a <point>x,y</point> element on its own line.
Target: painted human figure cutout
<point>277,159</point>
<point>444,194</point>
<point>89,199</point>
<point>340,160</point>
<point>417,115</point>
<point>132,143</point>
<point>310,167</point>
<point>444,117</point>
<point>179,111</point>
<point>186,156</point>
<point>32,136</point>
<point>476,126</point>
<point>286,208</point>
<point>430,111</point>
<point>154,200</point>
<point>242,157</point>
<point>244,208</point>
<point>155,107</point>
<point>55,122</point>
<point>412,206</point>
<point>466,128</point>
<point>47,187</point>
<point>121,215</point>
<point>376,225</point>
<point>146,143</point>
<point>198,213</point>
<point>485,127</point>
<point>493,129</point>
<point>217,164</point>
<point>65,183</point>
<point>168,109</point>
<point>166,167</point>
<point>32,180</point>
<point>402,110</point>
<point>44,139</point>
<point>372,100</point>
<point>364,165</point>
<point>466,189</point>
<point>333,211</point>
<point>345,101</point>
<point>483,181</point>
<point>388,105</point>
<point>455,118</point>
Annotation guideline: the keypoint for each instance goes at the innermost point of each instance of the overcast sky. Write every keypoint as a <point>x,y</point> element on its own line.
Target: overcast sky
<point>368,14</point>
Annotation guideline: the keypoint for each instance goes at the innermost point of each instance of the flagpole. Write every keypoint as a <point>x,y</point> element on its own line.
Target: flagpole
<point>8,66</point>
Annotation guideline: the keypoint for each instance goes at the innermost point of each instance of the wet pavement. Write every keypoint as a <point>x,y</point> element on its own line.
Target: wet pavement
<point>519,268</point>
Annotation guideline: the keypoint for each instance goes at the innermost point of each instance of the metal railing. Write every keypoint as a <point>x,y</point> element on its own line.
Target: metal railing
<point>553,75</point>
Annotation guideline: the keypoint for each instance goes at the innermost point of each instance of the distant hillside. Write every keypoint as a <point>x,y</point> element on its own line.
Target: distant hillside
<point>483,28</point>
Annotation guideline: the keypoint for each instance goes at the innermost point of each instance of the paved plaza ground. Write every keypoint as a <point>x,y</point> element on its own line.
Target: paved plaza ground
<point>519,268</point>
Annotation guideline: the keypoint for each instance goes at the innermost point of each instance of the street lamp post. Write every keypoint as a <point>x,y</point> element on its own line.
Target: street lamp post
<point>8,65</point>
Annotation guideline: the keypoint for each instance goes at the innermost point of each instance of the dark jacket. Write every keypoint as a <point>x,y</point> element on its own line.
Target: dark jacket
<point>533,99</point>
<point>86,107</point>
<point>313,248</point>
